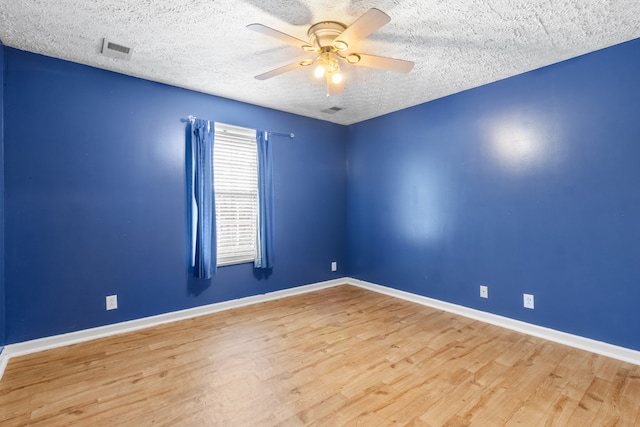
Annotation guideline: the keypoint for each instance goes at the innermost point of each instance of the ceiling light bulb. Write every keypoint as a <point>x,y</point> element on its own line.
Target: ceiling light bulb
<point>319,72</point>
<point>336,78</point>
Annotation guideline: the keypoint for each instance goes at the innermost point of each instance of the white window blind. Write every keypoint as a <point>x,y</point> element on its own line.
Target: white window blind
<point>235,163</point>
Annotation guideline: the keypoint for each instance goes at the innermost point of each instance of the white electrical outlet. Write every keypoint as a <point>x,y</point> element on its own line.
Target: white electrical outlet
<point>334,266</point>
<point>528,300</point>
<point>112,302</point>
<point>484,291</point>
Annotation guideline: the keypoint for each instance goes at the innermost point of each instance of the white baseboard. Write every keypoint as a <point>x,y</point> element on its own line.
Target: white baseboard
<point>47,343</point>
<point>41,344</point>
<point>599,347</point>
<point>4,360</point>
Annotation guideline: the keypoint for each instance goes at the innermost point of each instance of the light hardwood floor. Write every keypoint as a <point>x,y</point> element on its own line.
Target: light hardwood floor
<point>340,356</point>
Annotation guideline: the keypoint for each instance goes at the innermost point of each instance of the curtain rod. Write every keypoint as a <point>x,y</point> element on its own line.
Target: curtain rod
<point>288,135</point>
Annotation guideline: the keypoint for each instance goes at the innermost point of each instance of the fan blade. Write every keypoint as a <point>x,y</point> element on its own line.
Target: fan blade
<point>278,71</point>
<point>385,63</point>
<point>363,26</point>
<point>285,38</point>
<point>334,89</point>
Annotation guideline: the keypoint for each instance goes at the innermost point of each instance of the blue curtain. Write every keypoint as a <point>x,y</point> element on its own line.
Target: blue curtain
<point>264,256</point>
<point>205,251</point>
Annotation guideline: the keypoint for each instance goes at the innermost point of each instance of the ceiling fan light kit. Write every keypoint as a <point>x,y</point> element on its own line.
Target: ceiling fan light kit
<point>331,42</point>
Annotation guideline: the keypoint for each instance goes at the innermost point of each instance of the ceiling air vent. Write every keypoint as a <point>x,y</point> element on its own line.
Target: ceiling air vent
<point>115,50</point>
<point>332,110</point>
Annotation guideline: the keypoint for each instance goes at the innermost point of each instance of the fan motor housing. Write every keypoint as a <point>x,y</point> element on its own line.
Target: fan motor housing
<point>324,33</point>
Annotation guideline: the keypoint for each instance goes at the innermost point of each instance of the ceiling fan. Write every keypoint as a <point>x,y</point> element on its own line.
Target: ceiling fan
<point>331,43</point>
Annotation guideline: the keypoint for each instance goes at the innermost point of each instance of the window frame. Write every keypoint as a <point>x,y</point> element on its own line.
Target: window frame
<point>235,153</point>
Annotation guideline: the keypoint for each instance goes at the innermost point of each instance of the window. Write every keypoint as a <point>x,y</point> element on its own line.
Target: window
<point>235,168</point>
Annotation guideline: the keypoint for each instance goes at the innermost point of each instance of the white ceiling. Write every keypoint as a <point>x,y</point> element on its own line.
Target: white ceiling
<point>203,44</point>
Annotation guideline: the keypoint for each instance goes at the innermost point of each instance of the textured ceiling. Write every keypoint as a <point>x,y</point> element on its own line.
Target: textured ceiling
<point>204,45</point>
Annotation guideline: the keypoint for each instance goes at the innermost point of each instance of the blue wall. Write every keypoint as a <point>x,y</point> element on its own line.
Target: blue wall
<point>527,185</point>
<point>95,196</point>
